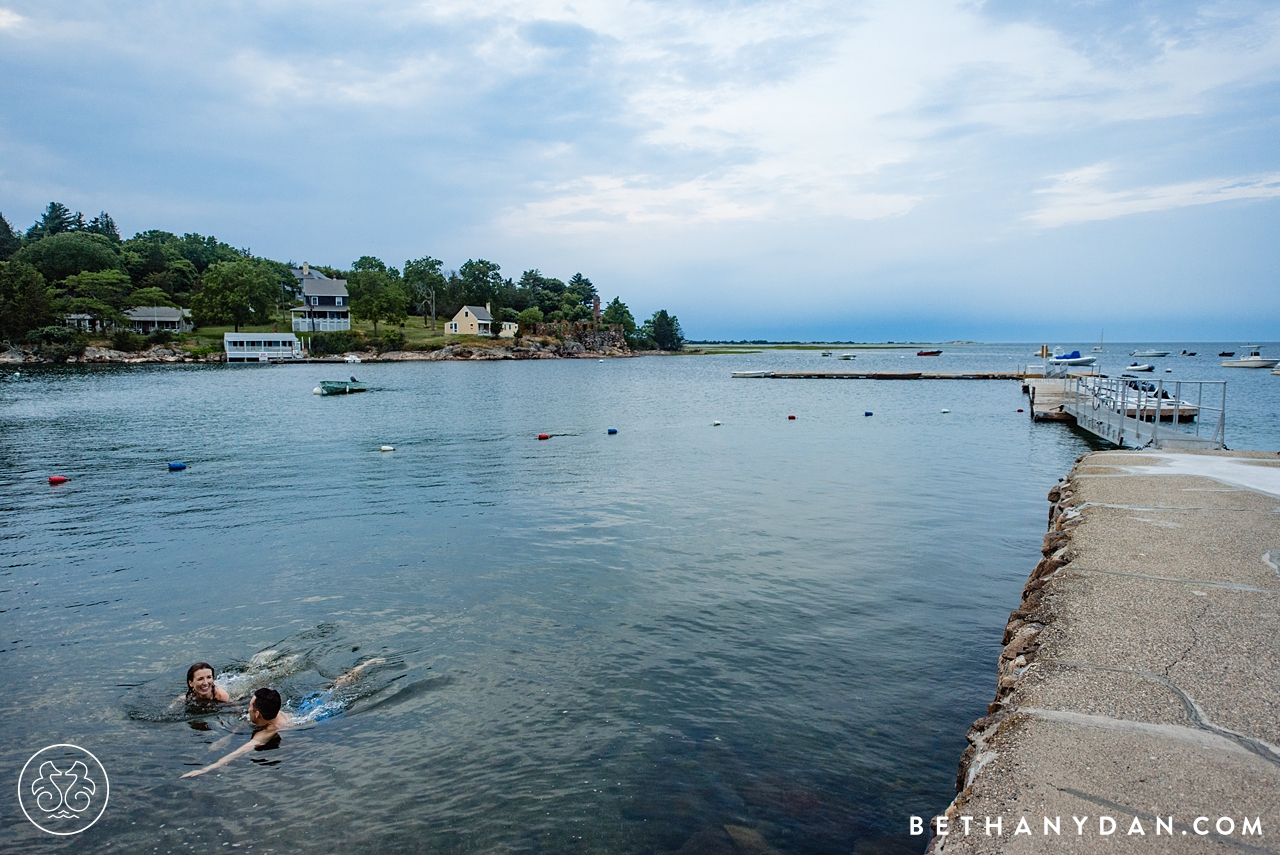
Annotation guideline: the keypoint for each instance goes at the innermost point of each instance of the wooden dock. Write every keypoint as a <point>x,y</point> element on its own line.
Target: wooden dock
<point>880,375</point>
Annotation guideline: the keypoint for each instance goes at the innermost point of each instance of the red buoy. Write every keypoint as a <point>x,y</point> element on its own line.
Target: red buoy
<point>791,418</point>
<point>57,479</point>
<point>1019,409</point>
<point>544,436</point>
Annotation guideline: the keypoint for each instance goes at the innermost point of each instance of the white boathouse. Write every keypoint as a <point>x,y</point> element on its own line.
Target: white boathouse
<point>261,347</point>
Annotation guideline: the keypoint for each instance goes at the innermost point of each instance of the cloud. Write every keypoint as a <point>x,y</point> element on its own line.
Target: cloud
<point>9,19</point>
<point>1080,196</point>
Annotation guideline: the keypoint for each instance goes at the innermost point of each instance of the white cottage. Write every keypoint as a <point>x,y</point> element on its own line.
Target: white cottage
<point>261,346</point>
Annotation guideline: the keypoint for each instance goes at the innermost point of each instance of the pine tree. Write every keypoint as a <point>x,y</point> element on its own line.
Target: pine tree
<point>9,239</point>
<point>57,218</point>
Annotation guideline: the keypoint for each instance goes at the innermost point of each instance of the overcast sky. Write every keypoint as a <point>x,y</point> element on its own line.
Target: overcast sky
<point>912,169</point>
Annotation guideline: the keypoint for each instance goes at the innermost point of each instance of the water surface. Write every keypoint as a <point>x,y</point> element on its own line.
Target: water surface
<point>595,643</point>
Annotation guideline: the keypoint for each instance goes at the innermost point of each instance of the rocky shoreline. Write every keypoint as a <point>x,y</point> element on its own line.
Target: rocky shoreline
<point>161,354</point>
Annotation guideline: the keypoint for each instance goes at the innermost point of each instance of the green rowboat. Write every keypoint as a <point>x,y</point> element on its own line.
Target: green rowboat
<point>341,387</point>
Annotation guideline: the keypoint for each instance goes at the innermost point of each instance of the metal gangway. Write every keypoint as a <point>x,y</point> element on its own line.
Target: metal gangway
<point>1138,413</point>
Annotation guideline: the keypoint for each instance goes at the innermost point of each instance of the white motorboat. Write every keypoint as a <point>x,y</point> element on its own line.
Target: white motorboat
<point>1149,354</point>
<point>1255,359</point>
<point>351,358</point>
<point>847,356</point>
<point>826,353</point>
<point>1140,366</point>
<point>1072,358</point>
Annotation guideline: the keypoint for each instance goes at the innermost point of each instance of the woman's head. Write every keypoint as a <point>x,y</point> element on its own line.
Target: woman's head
<point>200,681</point>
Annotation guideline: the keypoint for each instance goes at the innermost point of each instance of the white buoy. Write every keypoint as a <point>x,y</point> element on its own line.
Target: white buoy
<point>945,410</point>
<point>388,448</point>
<point>602,360</point>
<point>715,424</point>
<point>316,391</point>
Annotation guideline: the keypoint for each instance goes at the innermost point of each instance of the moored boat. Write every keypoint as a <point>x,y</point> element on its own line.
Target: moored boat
<point>1140,366</point>
<point>1148,354</point>
<point>341,387</point>
<point>1072,358</point>
<point>928,353</point>
<point>1255,359</point>
<point>847,356</point>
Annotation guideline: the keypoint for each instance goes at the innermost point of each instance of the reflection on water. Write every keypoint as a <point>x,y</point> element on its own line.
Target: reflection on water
<point>677,638</point>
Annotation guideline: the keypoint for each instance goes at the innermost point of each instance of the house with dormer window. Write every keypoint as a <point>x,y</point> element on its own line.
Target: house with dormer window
<point>326,305</point>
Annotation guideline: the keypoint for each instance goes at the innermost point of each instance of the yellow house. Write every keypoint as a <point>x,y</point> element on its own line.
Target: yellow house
<point>473,320</point>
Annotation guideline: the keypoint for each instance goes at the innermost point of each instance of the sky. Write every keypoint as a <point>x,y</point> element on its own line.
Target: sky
<point>903,170</point>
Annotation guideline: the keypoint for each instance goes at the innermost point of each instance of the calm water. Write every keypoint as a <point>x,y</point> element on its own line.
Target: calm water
<point>595,643</point>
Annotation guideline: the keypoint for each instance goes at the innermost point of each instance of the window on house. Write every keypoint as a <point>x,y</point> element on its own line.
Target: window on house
<point>339,299</point>
<point>315,301</point>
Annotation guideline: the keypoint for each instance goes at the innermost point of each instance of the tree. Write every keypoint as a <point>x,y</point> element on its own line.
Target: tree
<point>150,297</point>
<point>102,295</point>
<point>56,219</point>
<point>377,292</point>
<point>618,313</point>
<point>68,253</point>
<point>424,279</point>
<point>528,318</point>
<point>10,241</point>
<point>664,331</point>
<point>235,292</point>
<point>105,226</point>
<point>581,289</point>
<point>26,302</point>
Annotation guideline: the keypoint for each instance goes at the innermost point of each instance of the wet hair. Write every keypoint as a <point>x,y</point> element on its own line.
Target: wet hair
<point>191,675</point>
<point>267,702</point>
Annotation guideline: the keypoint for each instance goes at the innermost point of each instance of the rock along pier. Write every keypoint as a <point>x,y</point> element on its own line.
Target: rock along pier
<point>1137,704</point>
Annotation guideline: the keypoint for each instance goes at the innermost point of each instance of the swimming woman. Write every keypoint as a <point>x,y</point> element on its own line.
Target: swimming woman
<point>268,719</point>
<point>201,687</point>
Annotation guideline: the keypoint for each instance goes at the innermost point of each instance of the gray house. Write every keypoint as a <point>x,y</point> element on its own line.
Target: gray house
<point>326,306</point>
<point>147,319</point>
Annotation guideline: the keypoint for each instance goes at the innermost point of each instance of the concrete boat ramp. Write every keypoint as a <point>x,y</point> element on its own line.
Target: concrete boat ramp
<point>1137,704</point>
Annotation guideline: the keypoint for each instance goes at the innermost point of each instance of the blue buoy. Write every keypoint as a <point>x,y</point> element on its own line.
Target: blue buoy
<point>177,466</point>
<point>612,431</point>
<point>867,413</point>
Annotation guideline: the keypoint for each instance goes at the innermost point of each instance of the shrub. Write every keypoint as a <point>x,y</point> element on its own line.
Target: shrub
<point>159,336</point>
<point>334,343</point>
<point>56,343</point>
<point>390,340</point>
<point>127,340</point>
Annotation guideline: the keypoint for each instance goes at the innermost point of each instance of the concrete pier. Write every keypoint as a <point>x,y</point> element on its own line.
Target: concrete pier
<point>1139,689</point>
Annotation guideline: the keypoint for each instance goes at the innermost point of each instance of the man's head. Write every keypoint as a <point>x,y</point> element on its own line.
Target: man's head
<point>264,706</point>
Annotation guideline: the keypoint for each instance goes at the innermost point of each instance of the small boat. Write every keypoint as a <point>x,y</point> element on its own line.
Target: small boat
<point>1148,354</point>
<point>1227,353</point>
<point>826,353</point>
<point>1143,366</point>
<point>351,357</point>
<point>1255,359</point>
<point>1188,353</point>
<point>847,356</point>
<point>1275,372</point>
<point>752,374</point>
<point>1072,358</point>
<point>928,353</point>
<point>341,387</point>
<point>1097,348</point>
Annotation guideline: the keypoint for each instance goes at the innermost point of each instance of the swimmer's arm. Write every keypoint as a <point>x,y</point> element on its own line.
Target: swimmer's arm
<point>259,738</point>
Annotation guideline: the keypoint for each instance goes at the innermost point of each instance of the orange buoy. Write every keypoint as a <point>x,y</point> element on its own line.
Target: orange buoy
<point>544,436</point>
<point>57,479</point>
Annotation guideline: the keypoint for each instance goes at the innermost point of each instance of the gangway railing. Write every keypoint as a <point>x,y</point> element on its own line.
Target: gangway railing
<point>1137,413</point>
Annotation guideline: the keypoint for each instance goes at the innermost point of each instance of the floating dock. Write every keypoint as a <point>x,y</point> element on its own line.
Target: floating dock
<point>881,375</point>
<point>1134,412</point>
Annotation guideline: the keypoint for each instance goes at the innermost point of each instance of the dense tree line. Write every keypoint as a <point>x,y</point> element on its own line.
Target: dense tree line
<point>64,264</point>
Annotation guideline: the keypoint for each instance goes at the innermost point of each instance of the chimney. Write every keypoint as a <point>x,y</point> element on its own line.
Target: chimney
<point>306,268</point>
<point>595,307</point>
<point>487,309</point>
